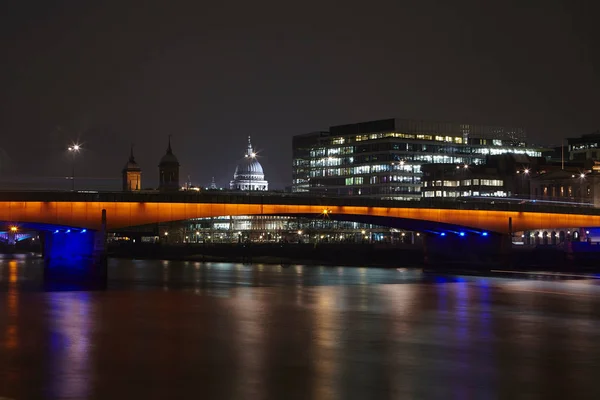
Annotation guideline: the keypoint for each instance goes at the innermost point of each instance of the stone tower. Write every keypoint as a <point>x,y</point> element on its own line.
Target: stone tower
<point>132,175</point>
<point>168,171</point>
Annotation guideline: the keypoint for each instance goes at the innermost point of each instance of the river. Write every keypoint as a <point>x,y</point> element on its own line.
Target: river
<point>180,330</point>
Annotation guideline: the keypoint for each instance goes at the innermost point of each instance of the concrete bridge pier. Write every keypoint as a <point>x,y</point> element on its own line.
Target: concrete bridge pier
<point>75,259</point>
<point>467,250</point>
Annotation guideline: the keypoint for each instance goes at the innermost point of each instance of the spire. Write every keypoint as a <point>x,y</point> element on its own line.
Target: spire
<point>250,151</point>
<point>131,157</point>
<point>169,151</point>
<point>249,146</point>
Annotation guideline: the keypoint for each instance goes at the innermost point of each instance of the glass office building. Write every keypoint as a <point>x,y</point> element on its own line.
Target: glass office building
<point>382,159</point>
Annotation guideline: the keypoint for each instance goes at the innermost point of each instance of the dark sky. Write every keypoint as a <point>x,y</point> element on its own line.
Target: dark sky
<point>113,73</point>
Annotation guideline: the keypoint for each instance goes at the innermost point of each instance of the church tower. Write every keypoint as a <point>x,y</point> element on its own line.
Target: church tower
<point>168,171</point>
<point>132,175</point>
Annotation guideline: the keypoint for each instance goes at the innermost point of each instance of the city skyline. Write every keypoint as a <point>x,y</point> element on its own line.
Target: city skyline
<point>210,78</point>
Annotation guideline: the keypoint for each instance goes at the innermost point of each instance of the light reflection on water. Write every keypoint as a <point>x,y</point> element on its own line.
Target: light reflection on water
<point>239,331</point>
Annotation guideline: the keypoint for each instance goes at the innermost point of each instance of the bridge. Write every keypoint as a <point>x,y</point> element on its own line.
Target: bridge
<point>83,210</point>
<point>91,214</point>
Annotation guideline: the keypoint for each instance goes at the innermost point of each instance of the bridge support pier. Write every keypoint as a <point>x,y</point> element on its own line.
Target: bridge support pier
<point>471,251</point>
<point>75,259</point>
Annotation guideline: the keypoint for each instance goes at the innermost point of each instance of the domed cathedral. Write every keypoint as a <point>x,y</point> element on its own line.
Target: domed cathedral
<point>249,173</point>
<point>168,170</point>
<point>132,175</point>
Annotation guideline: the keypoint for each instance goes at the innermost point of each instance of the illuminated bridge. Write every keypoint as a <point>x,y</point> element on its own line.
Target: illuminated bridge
<point>60,210</point>
<point>62,214</point>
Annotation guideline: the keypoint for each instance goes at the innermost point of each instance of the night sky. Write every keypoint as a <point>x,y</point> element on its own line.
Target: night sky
<point>113,73</point>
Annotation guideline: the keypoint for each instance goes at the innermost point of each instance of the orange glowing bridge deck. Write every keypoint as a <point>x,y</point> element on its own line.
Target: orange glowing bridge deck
<point>76,209</point>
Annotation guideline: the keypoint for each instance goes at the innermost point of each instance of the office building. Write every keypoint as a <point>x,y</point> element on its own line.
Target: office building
<point>382,159</point>
<point>585,147</point>
<point>506,175</point>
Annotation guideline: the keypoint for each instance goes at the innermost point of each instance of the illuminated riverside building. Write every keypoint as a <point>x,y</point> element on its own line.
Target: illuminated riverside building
<point>382,159</point>
<point>506,175</point>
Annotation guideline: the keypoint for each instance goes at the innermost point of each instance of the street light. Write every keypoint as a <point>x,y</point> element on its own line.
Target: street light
<point>73,149</point>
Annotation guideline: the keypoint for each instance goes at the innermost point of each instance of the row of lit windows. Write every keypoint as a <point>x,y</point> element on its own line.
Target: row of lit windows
<point>374,180</point>
<point>583,146</point>
<point>364,170</point>
<point>323,156</point>
<point>466,182</point>
<point>466,193</point>
<point>382,135</point>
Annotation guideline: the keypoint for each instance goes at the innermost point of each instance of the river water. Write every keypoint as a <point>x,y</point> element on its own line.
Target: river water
<point>181,330</point>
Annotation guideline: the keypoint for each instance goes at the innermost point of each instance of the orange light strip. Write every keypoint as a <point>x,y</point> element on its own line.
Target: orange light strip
<point>125,214</point>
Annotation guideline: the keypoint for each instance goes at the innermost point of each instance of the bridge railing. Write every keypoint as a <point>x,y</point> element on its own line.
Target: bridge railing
<point>491,204</point>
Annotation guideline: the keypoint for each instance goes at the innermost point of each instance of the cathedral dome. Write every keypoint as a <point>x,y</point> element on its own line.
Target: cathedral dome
<point>249,174</point>
<point>249,166</point>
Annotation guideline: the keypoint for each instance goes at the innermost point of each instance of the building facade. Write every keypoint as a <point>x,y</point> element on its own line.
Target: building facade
<point>382,159</point>
<point>506,175</point>
<point>249,174</point>
<point>585,147</point>
<point>132,175</point>
<point>575,183</point>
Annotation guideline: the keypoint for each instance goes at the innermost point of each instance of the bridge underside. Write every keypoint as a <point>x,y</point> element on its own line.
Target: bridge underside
<point>394,222</point>
<point>74,257</point>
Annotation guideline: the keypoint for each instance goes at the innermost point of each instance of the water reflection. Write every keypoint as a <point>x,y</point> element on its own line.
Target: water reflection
<point>239,331</point>
<point>12,297</point>
<point>72,323</point>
